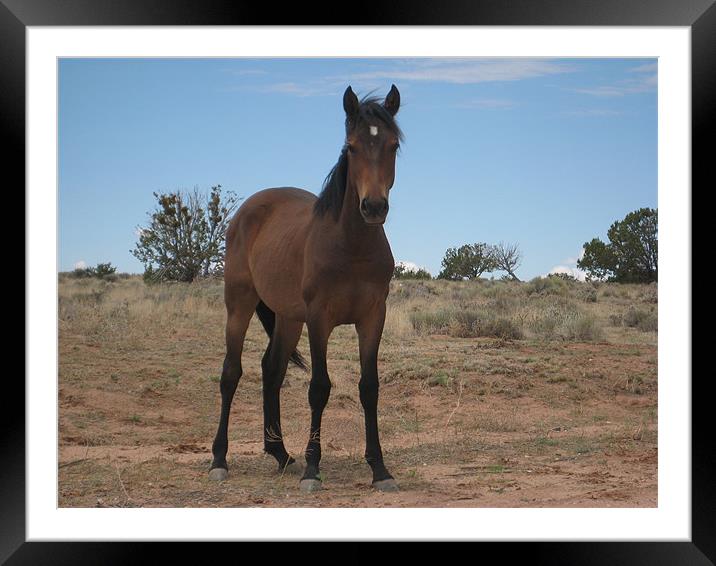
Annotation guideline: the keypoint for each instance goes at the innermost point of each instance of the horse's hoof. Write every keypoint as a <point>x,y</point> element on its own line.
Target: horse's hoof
<point>218,474</point>
<point>386,485</point>
<point>310,485</point>
<point>292,469</point>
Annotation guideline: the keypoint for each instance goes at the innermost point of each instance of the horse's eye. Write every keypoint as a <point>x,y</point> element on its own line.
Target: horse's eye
<point>351,148</point>
<point>396,146</point>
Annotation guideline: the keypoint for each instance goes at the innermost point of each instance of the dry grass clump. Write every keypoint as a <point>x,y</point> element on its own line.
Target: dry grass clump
<point>644,320</point>
<point>464,324</point>
<point>561,318</point>
<point>649,294</point>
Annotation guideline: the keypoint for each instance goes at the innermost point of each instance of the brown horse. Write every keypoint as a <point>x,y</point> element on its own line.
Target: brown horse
<point>294,259</point>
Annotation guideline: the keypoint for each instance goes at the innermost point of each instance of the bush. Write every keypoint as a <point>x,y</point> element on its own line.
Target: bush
<point>560,318</point>
<point>583,328</point>
<point>82,273</point>
<point>650,294</point>
<point>500,328</point>
<point>587,293</point>
<point>562,276</point>
<point>551,285</point>
<point>402,272</point>
<point>407,289</point>
<point>646,321</point>
<point>104,271</point>
<point>464,324</point>
<point>431,322</point>
<point>608,290</point>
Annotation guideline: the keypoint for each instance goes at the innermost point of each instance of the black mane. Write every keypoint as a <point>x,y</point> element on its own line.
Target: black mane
<point>334,186</point>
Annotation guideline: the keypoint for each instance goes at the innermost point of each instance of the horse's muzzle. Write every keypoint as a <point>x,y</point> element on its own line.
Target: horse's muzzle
<point>374,211</point>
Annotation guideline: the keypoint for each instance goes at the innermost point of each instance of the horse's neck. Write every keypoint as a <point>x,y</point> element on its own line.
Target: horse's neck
<point>357,234</point>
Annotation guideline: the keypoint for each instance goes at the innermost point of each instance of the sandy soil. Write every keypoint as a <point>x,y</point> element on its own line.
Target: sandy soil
<point>474,422</point>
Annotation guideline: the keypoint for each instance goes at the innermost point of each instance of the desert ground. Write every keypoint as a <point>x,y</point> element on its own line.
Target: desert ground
<point>493,394</point>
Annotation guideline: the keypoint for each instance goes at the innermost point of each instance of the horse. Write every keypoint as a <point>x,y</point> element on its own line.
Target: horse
<point>295,258</point>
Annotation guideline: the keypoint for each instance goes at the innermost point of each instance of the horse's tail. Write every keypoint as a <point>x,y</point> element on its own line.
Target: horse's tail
<point>268,320</point>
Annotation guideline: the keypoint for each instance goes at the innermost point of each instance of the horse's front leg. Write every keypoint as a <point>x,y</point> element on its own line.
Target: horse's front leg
<point>370,331</point>
<point>319,329</point>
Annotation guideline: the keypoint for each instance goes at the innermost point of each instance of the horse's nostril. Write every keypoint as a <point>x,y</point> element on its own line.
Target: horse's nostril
<point>374,207</point>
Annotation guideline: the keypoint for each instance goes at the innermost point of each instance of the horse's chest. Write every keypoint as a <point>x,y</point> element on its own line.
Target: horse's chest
<point>349,290</point>
<point>347,302</point>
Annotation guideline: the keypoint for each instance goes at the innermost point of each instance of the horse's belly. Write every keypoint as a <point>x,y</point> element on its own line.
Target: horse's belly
<point>276,264</point>
<point>281,294</point>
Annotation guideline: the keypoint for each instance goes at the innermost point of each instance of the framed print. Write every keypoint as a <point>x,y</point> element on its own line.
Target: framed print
<point>551,405</point>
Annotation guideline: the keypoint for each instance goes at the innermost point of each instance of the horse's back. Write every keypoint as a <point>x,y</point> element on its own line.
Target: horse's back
<point>261,207</point>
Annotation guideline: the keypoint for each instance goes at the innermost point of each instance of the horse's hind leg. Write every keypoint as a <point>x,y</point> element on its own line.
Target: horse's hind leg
<point>285,337</point>
<point>239,312</point>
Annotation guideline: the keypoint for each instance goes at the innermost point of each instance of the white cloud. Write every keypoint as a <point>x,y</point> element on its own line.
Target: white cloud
<point>467,71</point>
<point>81,264</point>
<point>448,70</point>
<point>644,82</point>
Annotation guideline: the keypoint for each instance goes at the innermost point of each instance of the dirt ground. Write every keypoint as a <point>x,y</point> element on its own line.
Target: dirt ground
<point>464,422</point>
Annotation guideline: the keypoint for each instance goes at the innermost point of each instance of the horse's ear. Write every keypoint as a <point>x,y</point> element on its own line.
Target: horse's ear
<point>350,103</point>
<point>392,101</point>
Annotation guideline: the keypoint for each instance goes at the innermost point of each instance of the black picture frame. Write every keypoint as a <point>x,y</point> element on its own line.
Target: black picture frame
<point>699,15</point>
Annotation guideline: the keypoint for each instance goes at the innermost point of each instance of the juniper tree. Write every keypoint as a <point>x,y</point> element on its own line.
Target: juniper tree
<point>631,256</point>
<point>467,262</point>
<point>185,238</point>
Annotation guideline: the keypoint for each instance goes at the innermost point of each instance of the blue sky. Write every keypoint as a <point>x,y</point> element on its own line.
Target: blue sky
<point>545,153</point>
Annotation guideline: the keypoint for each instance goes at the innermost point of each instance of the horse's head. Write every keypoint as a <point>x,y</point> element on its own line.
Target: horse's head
<point>372,141</point>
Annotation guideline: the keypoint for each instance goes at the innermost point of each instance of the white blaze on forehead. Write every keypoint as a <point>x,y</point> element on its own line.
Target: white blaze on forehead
<point>374,130</point>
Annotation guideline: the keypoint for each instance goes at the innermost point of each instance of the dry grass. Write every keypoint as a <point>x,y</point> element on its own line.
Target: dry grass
<point>485,387</point>
<point>544,309</point>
